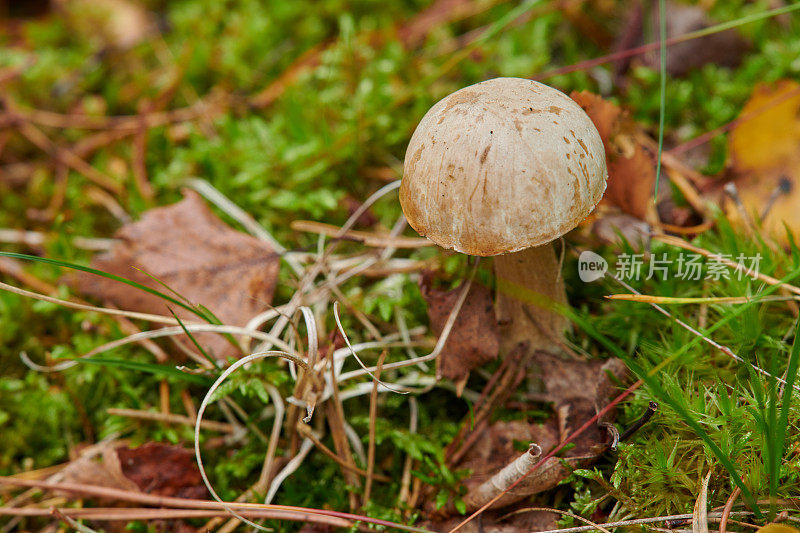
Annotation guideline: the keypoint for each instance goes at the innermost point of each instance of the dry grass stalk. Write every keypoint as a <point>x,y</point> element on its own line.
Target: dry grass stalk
<point>168,418</point>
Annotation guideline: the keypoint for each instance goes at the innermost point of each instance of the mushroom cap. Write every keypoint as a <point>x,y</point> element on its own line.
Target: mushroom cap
<point>500,166</point>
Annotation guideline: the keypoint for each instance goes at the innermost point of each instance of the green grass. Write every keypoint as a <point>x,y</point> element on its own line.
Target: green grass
<point>297,158</point>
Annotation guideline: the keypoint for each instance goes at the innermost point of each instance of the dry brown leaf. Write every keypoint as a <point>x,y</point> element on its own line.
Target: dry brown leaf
<point>163,470</point>
<point>101,470</point>
<point>631,166</point>
<point>765,155</point>
<point>187,247</point>
<point>474,338</point>
<point>154,468</point>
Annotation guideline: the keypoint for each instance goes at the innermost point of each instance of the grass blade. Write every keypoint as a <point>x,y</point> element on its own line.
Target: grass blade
<point>107,275</point>
<point>150,368</point>
<point>194,341</point>
<point>662,44</point>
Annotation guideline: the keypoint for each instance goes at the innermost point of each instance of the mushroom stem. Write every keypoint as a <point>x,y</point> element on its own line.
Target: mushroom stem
<point>529,282</point>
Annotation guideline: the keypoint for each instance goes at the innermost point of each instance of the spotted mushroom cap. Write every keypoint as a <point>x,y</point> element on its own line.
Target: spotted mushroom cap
<point>500,166</point>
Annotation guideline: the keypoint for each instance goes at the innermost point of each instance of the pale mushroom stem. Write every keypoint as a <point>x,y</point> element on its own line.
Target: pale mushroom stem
<point>525,279</point>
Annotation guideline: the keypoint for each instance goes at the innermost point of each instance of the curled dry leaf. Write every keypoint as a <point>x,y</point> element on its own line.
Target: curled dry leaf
<point>765,158</point>
<point>474,338</point>
<point>631,165</point>
<point>188,248</point>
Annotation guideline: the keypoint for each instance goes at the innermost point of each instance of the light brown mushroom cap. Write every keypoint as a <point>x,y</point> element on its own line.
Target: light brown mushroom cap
<point>500,166</point>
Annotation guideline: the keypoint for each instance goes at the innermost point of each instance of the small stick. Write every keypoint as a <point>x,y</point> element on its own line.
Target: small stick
<point>163,396</point>
<point>188,404</point>
<point>373,415</point>
<point>636,426</point>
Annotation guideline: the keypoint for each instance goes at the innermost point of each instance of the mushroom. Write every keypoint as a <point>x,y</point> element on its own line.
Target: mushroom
<point>502,168</point>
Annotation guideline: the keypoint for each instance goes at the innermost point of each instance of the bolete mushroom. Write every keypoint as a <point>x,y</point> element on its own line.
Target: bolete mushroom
<point>502,168</point>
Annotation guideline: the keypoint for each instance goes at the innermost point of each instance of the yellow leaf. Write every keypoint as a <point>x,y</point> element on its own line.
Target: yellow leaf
<point>765,155</point>
<point>769,129</point>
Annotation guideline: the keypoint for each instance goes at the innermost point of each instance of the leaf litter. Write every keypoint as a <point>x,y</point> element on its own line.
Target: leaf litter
<point>147,249</point>
<point>474,338</point>
<point>189,249</point>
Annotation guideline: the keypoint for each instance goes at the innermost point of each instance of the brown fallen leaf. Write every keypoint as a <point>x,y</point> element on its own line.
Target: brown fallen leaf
<point>188,248</point>
<point>631,165</point>
<point>765,158</point>
<point>474,339</point>
<point>101,469</point>
<point>153,468</point>
<point>163,469</point>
